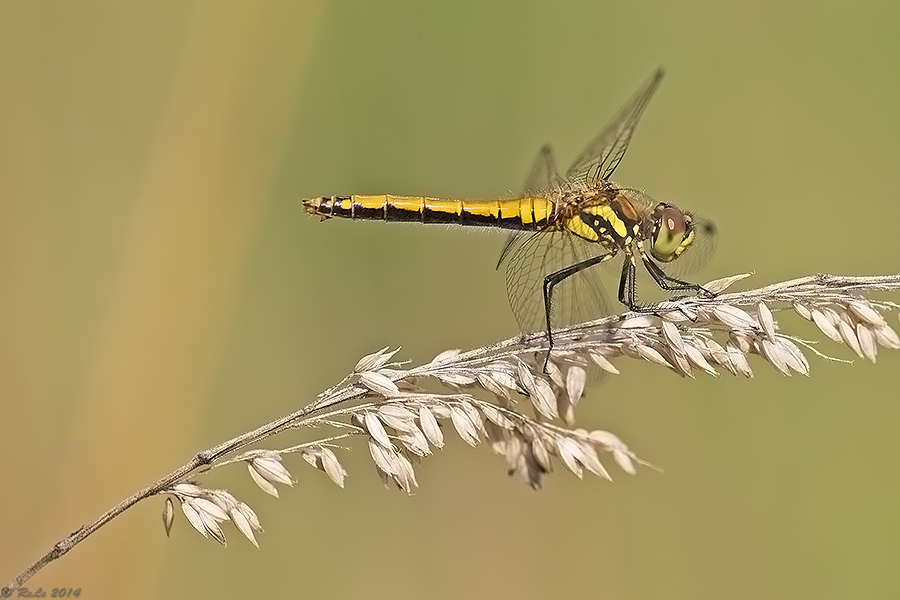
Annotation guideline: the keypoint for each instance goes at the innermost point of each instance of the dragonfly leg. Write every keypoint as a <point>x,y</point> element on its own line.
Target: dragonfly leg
<point>628,284</point>
<point>557,277</point>
<point>671,283</point>
<point>627,294</point>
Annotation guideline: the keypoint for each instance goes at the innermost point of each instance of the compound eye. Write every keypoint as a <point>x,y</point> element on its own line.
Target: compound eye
<point>669,233</point>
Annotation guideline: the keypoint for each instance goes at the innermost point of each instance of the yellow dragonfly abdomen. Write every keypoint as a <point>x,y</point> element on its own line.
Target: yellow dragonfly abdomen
<point>529,214</point>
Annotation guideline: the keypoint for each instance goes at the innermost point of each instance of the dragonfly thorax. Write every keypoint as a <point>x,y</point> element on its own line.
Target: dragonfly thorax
<point>610,217</point>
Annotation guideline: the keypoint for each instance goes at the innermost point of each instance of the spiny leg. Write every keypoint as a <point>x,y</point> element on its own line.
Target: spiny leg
<point>627,284</point>
<point>627,294</point>
<point>551,280</point>
<point>671,284</point>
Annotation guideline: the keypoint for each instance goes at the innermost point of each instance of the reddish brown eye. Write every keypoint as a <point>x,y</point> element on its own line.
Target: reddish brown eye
<point>668,234</point>
<point>674,221</point>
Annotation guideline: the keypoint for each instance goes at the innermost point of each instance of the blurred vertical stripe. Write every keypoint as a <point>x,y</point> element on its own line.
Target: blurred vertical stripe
<point>204,189</point>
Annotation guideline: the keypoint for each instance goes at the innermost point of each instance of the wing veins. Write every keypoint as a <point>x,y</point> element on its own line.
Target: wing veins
<point>603,154</point>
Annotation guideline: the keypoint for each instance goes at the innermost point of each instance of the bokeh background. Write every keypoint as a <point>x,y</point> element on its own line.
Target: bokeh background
<point>162,289</point>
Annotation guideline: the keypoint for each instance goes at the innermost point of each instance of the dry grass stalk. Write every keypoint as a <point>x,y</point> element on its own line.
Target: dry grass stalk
<point>401,422</point>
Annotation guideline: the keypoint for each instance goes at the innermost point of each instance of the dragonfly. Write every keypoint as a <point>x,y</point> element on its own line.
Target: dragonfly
<point>562,228</point>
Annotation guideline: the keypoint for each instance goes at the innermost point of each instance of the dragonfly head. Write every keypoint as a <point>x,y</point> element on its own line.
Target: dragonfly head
<point>673,232</point>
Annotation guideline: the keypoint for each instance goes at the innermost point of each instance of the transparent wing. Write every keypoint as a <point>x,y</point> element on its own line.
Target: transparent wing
<point>604,153</point>
<point>532,257</point>
<point>543,175</point>
<point>542,178</point>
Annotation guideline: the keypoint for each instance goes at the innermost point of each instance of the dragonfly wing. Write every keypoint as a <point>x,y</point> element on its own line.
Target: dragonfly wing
<point>513,241</point>
<point>543,175</point>
<point>534,256</point>
<point>542,178</point>
<point>604,153</point>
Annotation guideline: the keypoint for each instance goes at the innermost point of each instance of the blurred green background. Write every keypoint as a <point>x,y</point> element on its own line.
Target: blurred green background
<point>162,289</point>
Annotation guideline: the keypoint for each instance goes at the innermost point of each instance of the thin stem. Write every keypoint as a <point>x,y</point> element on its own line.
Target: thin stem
<point>815,292</point>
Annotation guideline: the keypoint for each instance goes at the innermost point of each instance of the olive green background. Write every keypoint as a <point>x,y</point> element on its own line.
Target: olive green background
<point>162,289</point>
